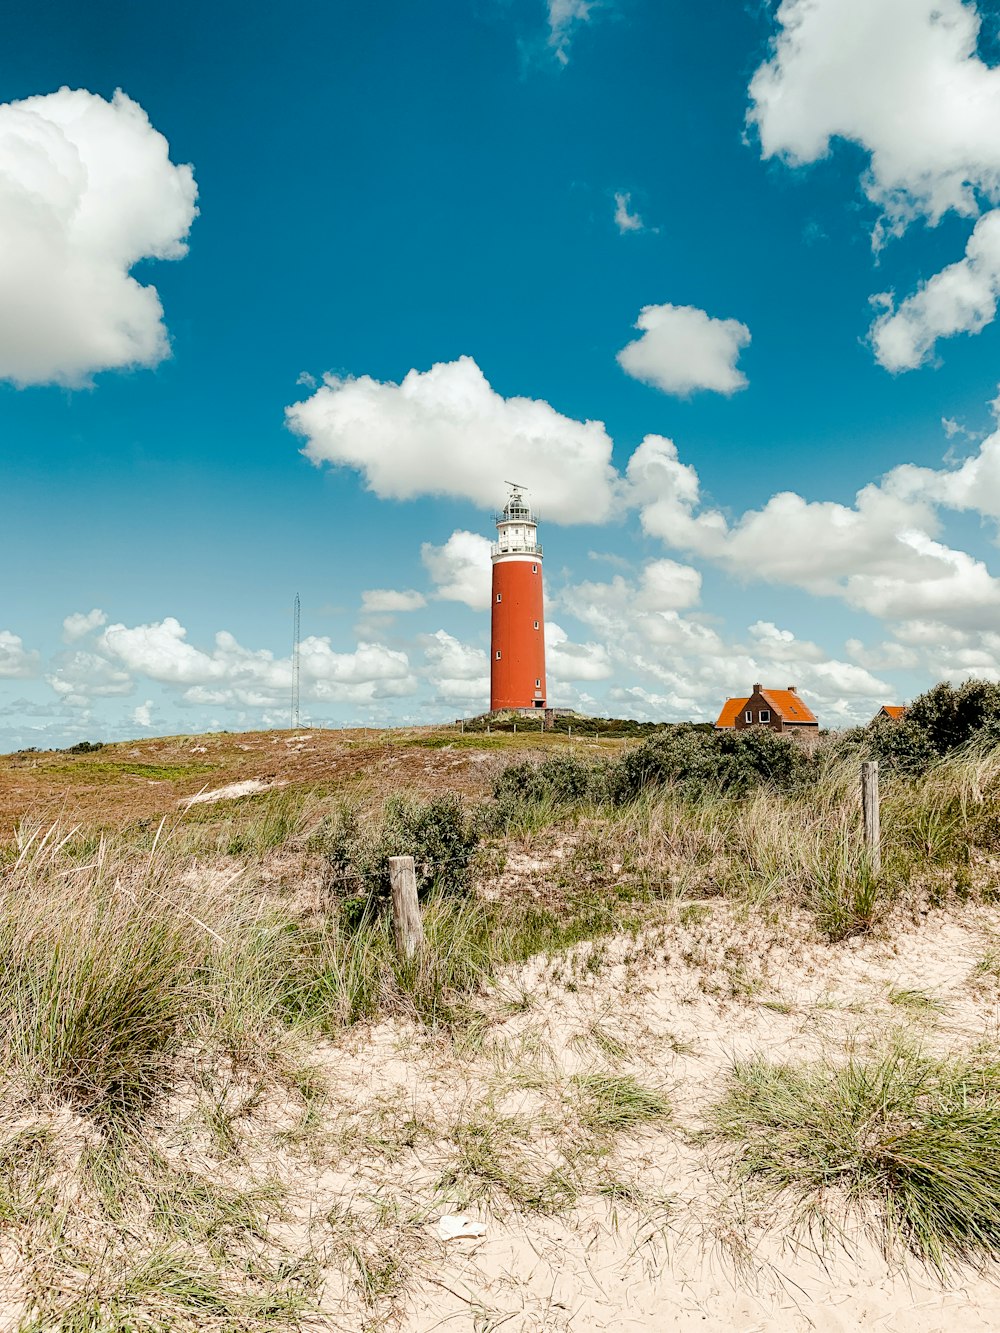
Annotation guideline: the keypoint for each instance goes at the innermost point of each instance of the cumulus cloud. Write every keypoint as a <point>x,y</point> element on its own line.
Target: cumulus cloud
<point>16,662</point>
<point>458,672</point>
<point>880,555</point>
<point>625,219</point>
<point>461,568</point>
<point>389,601</point>
<point>962,298</point>
<point>668,664</point>
<point>87,189</point>
<point>903,79</point>
<point>574,661</point>
<point>445,431</point>
<point>79,624</point>
<point>142,716</point>
<point>682,350</point>
<point>231,674</point>
<point>82,675</point>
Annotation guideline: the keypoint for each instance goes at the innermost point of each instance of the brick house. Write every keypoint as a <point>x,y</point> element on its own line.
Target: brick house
<point>781,710</point>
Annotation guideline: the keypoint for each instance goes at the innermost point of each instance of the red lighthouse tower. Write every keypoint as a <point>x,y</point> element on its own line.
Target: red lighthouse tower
<point>517,656</point>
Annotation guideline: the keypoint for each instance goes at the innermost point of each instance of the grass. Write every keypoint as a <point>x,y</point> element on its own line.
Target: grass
<point>613,1103</point>
<point>918,1000</point>
<point>497,1159</point>
<point>915,1136</point>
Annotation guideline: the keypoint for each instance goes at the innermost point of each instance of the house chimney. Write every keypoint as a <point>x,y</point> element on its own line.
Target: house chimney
<point>791,689</point>
<point>757,688</point>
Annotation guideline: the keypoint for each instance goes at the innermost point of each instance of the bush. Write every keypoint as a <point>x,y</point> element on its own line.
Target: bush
<point>951,716</point>
<point>903,745</point>
<point>729,761</point>
<point>561,779</point>
<point>435,833</point>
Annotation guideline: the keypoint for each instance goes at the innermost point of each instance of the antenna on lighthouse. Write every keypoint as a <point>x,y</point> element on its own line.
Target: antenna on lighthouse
<point>295,663</point>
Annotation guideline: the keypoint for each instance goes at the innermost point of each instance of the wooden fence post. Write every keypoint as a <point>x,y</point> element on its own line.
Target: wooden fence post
<point>406,921</point>
<point>870,813</point>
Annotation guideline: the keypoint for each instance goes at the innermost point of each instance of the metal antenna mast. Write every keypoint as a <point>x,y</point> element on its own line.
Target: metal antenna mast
<point>295,666</point>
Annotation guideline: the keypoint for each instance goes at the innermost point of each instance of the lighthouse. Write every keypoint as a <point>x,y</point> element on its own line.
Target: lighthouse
<point>517,642</point>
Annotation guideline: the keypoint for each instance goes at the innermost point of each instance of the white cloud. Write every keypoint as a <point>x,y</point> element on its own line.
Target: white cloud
<point>233,675</point>
<point>79,676</point>
<point>668,586</point>
<point>389,601</point>
<point>16,662</point>
<point>461,568</point>
<point>962,298</point>
<point>899,77</point>
<point>87,189</point>
<point>682,350</point>
<point>880,555</point>
<point>458,672</point>
<point>80,624</point>
<point>903,79</point>
<point>445,431</point>
<point>666,664</point>
<point>565,16</point>
<point>886,656</point>
<point>573,661</point>
<point>625,219</point>
<point>142,716</point>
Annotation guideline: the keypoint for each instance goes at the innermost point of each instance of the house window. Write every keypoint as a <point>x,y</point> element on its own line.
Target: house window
<point>534,569</point>
<point>499,596</point>
<point>498,654</point>
<point>747,716</point>
<point>765,715</point>
<point>536,624</point>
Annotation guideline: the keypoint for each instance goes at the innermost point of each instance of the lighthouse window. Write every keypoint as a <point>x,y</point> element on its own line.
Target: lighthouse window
<point>534,569</point>
<point>499,596</point>
<point>538,684</point>
<point>498,654</point>
<point>536,624</point>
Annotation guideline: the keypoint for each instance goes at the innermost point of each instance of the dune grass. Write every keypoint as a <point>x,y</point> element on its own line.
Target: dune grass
<point>915,1136</point>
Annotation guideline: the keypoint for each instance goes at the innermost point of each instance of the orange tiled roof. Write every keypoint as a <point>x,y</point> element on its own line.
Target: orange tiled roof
<point>895,711</point>
<point>789,706</point>
<point>730,709</point>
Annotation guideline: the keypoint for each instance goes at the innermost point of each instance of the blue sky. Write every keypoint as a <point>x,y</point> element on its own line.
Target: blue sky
<point>497,190</point>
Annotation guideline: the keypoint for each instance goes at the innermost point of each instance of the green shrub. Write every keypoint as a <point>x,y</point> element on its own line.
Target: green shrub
<point>562,779</point>
<point>903,746</point>
<point>436,833</point>
<point>951,715</point>
<point>728,761</point>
